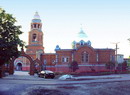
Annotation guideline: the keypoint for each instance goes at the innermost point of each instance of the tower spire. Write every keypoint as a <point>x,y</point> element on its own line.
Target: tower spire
<point>36,22</point>
<point>36,15</point>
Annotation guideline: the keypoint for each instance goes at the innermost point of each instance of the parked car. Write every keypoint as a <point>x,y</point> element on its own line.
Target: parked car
<point>46,74</point>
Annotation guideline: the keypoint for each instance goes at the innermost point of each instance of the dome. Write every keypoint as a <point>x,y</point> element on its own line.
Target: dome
<point>81,40</point>
<point>36,16</point>
<point>81,36</point>
<point>57,47</point>
<point>73,44</point>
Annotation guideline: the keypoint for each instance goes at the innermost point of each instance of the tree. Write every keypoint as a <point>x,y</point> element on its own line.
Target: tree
<point>73,66</point>
<point>122,66</point>
<point>9,37</point>
<point>110,65</point>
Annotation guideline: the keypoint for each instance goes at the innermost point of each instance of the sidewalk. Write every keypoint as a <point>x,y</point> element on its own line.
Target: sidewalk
<point>99,77</point>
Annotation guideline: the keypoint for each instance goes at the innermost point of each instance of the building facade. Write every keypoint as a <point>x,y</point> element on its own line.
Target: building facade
<point>87,57</point>
<point>120,58</point>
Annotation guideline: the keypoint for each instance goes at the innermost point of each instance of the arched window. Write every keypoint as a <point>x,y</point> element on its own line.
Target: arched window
<point>84,57</point>
<point>35,25</point>
<point>38,25</point>
<point>34,37</point>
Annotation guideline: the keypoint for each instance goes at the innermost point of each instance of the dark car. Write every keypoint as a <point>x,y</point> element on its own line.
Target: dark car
<point>46,74</point>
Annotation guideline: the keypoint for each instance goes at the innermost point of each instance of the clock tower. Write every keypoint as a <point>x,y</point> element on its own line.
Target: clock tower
<point>35,41</point>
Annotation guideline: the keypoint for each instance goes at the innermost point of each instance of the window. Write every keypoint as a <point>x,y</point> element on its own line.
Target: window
<point>81,42</point>
<point>113,58</point>
<point>34,38</point>
<point>53,62</point>
<point>38,25</point>
<point>84,57</point>
<point>97,57</point>
<point>34,25</point>
<point>65,59</point>
<point>45,61</point>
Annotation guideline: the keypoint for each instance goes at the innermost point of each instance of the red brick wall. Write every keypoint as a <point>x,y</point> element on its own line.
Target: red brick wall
<point>82,68</point>
<point>104,55</point>
<point>89,50</point>
<point>49,58</point>
<point>64,53</point>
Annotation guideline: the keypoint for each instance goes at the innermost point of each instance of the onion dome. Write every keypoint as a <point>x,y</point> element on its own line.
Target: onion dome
<point>82,34</point>
<point>81,40</point>
<point>57,47</point>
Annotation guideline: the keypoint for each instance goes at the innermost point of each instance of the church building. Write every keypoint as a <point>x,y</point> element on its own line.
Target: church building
<point>87,57</point>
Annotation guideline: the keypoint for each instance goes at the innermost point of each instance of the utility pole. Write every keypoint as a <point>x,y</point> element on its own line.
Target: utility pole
<point>116,53</point>
<point>128,39</point>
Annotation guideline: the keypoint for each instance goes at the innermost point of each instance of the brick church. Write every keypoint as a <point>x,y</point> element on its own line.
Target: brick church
<point>87,57</point>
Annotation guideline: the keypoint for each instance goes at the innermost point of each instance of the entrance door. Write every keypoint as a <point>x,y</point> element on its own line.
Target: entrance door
<point>19,67</point>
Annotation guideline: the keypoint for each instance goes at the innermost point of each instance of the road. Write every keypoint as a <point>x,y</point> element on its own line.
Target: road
<point>23,84</point>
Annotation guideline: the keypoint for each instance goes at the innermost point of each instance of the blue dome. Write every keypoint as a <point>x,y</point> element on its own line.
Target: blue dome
<point>57,47</point>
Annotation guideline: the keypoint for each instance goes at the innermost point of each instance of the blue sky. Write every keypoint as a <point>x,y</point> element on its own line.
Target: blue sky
<point>104,21</point>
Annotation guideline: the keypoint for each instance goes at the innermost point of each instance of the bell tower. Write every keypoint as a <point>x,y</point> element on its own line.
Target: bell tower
<point>35,38</point>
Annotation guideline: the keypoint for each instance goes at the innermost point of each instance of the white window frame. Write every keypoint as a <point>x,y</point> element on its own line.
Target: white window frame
<point>65,59</point>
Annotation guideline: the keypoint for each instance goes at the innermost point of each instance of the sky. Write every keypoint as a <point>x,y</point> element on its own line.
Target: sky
<point>105,22</point>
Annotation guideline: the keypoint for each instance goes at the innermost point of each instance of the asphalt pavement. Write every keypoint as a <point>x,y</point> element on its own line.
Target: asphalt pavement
<point>21,83</point>
<point>27,79</point>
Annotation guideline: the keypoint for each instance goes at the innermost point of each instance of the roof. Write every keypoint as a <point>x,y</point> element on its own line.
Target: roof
<point>65,49</point>
<point>103,49</point>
